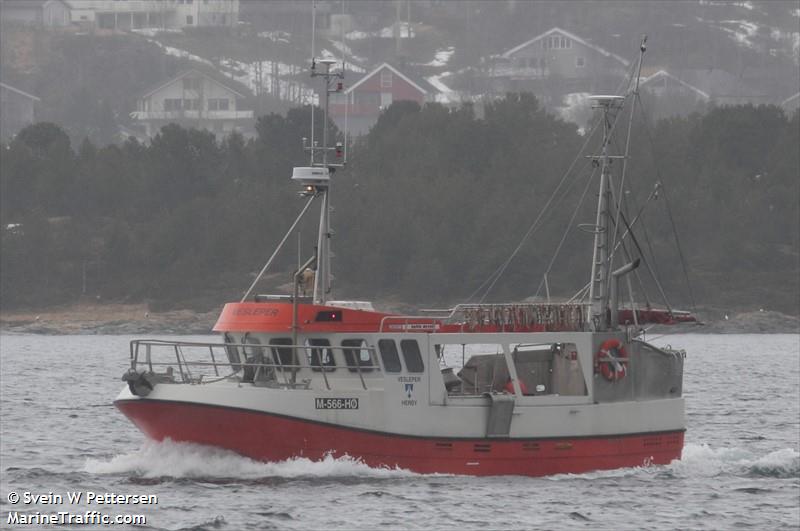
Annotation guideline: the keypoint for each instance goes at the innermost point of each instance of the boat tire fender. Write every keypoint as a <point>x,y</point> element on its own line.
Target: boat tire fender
<point>138,383</point>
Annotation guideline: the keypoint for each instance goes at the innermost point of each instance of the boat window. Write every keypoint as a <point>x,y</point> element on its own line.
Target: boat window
<point>281,356</point>
<point>253,356</point>
<point>391,360</point>
<point>329,316</point>
<point>320,357</point>
<point>233,352</point>
<point>358,355</point>
<point>412,356</point>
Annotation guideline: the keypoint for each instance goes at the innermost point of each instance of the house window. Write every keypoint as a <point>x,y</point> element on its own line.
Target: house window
<point>580,62</point>
<point>218,104</point>
<point>191,104</point>
<point>386,79</point>
<point>189,20</point>
<point>557,42</point>
<point>386,99</point>
<point>172,104</point>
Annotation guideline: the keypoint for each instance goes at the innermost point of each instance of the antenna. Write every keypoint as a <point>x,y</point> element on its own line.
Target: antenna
<point>313,66</point>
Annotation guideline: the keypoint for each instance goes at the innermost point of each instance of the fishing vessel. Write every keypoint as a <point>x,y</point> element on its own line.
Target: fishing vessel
<point>518,388</point>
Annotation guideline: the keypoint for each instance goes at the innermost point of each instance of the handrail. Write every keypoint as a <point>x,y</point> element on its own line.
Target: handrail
<point>508,314</point>
<point>184,365</point>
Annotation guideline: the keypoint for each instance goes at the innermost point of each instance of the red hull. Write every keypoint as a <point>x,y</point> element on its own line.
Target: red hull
<point>275,438</point>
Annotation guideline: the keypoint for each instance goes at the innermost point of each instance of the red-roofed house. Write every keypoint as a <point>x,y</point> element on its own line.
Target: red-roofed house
<point>363,101</point>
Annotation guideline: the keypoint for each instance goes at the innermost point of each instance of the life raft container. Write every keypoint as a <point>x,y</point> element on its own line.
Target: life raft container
<point>612,360</point>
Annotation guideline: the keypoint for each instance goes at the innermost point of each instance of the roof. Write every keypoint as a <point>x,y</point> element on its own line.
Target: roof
<point>394,70</point>
<point>791,100</point>
<point>18,91</point>
<point>572,36</point>
<point>663,73</point>
<point>718,83</point>
<point>190,72</point>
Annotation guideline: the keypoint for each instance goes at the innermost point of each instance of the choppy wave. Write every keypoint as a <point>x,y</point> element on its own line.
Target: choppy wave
<point>703,460</point>
<point>195,461</point>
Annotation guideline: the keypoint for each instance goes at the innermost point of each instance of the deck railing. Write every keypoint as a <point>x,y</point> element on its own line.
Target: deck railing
<point>152,355</point>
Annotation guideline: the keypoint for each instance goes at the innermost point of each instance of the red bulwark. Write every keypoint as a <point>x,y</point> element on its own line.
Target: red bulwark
<point>276,438</point>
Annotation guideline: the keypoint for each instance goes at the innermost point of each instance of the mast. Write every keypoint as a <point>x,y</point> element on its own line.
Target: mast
<point>599,292</point>
<point>323,277</point>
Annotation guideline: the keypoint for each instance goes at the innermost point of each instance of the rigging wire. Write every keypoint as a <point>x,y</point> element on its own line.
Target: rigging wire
<point>652,260</point>
<point>567,231</point>
<point>495,276</point>
<point>492,279</point>
<point>646,123</point>
<point>632,91</point>
<point>653,274</point>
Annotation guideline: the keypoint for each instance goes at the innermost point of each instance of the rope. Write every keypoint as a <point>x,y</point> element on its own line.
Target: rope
<point>646,123</point>
<point>495,276</point>
<point>566,232</point>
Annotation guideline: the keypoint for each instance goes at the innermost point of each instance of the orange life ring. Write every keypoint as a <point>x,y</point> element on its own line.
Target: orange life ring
<point>615,366</point>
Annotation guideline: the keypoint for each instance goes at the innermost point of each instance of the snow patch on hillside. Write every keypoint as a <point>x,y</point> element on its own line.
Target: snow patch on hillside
<point>446,95</point>
<point>742,33</point>
<point>353,63</point>
<point>442,57</point>
<point>406,32</point>
<point>176,52</point>
<point>276,36</point>
<point>270,77</point>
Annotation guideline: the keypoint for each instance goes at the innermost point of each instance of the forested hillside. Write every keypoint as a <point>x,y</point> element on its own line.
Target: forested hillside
<point>432,202</point>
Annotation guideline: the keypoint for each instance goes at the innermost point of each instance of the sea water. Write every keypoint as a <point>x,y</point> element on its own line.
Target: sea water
<point>60,434</point>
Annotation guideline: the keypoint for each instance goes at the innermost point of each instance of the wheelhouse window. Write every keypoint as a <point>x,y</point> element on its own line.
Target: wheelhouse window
<point>254,357</point>
<point>281,356</point>
<point>357,355</point>
<point>412,355</point>
<point>389,355</point>
<point>320,355</point>
<point>233,352</point>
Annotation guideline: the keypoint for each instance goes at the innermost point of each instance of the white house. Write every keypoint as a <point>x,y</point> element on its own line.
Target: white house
<point>193,99</point>
<point>134,14</point>
<point>555,63</point>
<point>41,13</point>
